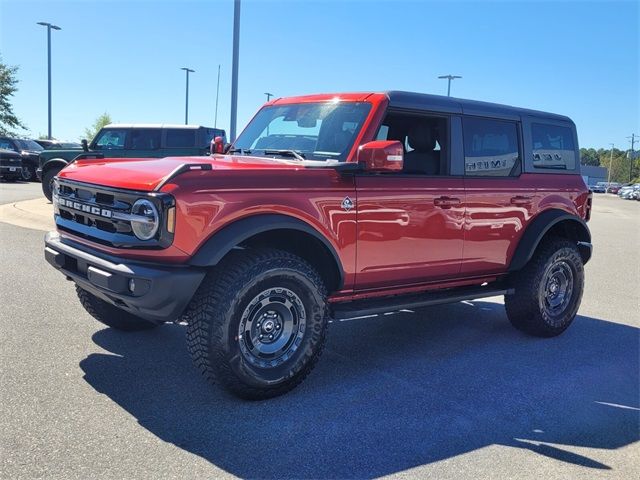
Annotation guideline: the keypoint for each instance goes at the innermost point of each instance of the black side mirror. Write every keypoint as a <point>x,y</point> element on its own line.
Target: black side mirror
<point>85,145</point>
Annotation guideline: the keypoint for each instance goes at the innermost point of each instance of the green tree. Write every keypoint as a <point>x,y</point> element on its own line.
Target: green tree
<point>589,156</point>
<point>92,131</point>
<point>8,86</point>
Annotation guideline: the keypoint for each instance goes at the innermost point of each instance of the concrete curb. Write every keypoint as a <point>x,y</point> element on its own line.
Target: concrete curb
<point>36,214</point>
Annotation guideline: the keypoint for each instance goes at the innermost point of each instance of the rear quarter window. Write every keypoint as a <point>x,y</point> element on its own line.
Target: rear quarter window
<point>553,147</point>
<point>181,138</point>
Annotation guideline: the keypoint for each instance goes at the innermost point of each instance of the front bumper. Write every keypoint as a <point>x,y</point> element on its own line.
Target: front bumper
<point>11,171</point>
<point>160,292</point>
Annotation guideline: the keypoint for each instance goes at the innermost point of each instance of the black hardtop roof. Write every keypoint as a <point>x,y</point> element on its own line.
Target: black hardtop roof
<point>452,104</point>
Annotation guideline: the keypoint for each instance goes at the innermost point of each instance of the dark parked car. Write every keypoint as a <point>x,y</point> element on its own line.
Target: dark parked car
<point>132,141</point>
<point>58,145</point>
<point>28,150</point>
<point>614,188</point>
<point>10,165</point>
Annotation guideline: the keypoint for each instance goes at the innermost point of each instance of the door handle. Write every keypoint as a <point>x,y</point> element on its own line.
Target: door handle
<point>446,202</point>
<point>521,200</point>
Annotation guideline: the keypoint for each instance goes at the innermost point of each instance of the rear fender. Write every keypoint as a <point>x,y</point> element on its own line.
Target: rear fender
<point>541,225</point>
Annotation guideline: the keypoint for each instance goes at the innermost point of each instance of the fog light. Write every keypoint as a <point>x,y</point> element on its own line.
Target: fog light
<point>132,285</point>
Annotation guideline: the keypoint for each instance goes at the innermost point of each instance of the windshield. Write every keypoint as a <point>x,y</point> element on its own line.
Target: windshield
<point>29,145</point>
<point>314,131</point>
<point>112,139</point>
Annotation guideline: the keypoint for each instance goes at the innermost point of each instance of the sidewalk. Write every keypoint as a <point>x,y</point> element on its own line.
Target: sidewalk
<point>36,214</point>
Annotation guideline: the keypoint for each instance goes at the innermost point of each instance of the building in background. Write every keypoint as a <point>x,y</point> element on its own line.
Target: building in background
<point>593,174</point>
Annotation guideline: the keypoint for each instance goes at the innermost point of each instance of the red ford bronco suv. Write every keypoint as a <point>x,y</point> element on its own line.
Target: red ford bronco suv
<point>329,206</point>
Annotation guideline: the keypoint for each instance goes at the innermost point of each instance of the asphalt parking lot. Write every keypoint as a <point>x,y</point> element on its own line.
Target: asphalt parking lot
<point>446,392</point>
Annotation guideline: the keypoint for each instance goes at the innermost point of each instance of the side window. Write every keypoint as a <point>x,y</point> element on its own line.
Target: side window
<point>423,138</point>
<point>553,147</point>
<point>7,144</point>
<point>145,139</point>
<point>180,138</point>
<point>111,139</point>
<point>490,147</point>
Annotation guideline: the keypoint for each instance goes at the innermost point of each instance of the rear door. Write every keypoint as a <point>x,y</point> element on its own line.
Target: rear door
<point>500,200</point>
<point>410,223</point>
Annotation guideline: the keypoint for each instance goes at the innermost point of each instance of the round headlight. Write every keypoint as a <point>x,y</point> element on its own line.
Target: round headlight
<point>146,219</point>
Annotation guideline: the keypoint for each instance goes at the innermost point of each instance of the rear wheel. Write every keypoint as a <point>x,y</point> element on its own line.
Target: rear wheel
<point>47,182</point>
<point>257,324</point>
<point>548,290</point>
<point>110,315</point>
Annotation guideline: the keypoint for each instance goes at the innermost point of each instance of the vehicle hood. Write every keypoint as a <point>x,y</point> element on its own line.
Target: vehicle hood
<point>145,174</point>
<point>66,154</point>
<point>4,153</point>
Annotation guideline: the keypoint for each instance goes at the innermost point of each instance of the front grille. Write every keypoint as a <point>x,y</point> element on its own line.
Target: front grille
<point>10,162</point>
<point>101,214</point>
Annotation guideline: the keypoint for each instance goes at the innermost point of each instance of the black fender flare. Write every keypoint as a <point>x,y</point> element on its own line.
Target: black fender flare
<point>53,163</point>
<point>230,236</point>
<point>537,229</point>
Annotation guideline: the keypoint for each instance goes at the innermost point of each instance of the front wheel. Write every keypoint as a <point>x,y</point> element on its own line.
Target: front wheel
<point>47,182</point>
<point>28,173</point>
<point>548,290</point>
<point>257,323</point>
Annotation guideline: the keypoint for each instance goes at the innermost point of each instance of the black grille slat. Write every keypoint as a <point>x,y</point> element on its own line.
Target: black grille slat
<point>99,204</point>
<point>88,211</point>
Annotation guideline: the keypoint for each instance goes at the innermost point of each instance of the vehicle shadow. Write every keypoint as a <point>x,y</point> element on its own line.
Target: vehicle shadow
<point>391,393</point>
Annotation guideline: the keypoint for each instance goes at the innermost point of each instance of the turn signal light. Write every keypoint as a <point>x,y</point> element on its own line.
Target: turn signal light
<point>171,220</point>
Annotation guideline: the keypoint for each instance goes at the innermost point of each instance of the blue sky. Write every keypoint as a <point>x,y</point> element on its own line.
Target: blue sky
<point>123,57</point>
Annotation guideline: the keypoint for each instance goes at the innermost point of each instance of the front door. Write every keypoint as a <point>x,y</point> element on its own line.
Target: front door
<point>410,223</point>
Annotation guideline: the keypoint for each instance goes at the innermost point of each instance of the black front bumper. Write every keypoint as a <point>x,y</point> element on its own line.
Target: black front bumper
<point>12,171</point>
<point>158,293</point>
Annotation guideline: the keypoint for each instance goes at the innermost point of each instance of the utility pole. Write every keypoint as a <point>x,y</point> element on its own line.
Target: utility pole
<point>186,100</point>
<point>631,155</point>
<point>449,78</point>
<point>610,167</point>
<point>215,121</point>
<point>234,70</point>
<point>49,28</point>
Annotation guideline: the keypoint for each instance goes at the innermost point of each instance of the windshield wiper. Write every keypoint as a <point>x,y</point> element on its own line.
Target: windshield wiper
<point>241,151</point>
<point>286,153</point>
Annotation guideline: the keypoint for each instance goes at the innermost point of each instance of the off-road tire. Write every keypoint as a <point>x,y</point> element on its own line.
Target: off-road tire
<point>47,178</point>
<point>110,315</point>
<point>526,307</point>
<point>219,306</point>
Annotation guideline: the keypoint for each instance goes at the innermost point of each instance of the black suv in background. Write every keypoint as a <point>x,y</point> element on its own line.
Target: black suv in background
<point>28,150</point>
<point>133,141</point>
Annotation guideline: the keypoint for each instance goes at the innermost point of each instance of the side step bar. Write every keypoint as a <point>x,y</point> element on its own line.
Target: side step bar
<point>361,308</point>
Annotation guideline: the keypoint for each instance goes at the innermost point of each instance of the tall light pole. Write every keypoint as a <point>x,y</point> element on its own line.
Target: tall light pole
<point>215,120</point>
<point>186,101</point>
<point>234,70</point>
<point>449,78</point>
<point>610,167</point>
<point>632,139</point>
<point>269,95</point>
<point>49,28</point>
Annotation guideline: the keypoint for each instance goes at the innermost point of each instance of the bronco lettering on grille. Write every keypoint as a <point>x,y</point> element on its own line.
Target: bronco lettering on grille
<point>103,212</point>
